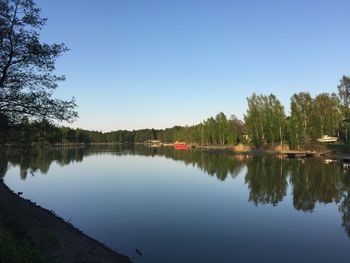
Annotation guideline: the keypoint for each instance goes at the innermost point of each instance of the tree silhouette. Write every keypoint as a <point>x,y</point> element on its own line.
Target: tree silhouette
<point>26,67</point>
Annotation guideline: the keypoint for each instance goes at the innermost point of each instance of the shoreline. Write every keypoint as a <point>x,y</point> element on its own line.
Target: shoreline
<point>55,238</point>
<point>233,150</point>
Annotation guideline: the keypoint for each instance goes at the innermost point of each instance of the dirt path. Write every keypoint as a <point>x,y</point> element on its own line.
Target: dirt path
<point>53,236</point>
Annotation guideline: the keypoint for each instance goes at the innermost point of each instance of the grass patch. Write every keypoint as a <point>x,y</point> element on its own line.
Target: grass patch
<point>15,249</point>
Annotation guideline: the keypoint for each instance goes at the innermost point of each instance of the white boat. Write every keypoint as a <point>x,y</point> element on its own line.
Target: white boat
<point>326,138</point>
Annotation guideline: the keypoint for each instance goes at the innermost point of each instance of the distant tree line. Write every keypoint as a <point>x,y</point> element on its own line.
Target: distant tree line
<point>218,131</point>
<point>265,123</point>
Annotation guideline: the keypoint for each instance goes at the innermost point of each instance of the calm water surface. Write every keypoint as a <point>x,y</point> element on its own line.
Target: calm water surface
<point>190,206</point>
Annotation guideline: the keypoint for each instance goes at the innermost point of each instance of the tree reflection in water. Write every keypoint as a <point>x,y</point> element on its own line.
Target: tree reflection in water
<point>311,180</point>
<point>315,181</point>
<point>344,207</point>
<point>267,180</point>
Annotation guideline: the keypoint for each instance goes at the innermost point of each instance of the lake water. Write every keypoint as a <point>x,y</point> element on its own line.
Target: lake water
<point>191,206</point>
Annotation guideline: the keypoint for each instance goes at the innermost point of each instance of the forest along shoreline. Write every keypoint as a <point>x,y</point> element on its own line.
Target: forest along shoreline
<point>47,235</point>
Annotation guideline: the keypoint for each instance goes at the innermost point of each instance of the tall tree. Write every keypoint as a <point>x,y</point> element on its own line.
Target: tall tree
<point>222,128</point>
<point>235,127</point>
<point>337,116</point>
<point>278,119</point>
<point>265,119</point>
<point>325,116</point>
<point>253,121</point>
<point>299,122</point>
<point>273,119</point>
<point>344,95</point>
<point>27,80</point>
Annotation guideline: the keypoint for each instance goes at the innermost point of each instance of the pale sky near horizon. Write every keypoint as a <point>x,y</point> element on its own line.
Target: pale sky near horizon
<point>154,64</point>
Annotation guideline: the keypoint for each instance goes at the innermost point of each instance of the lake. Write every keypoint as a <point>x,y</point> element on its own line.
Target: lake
<point>191,206</point>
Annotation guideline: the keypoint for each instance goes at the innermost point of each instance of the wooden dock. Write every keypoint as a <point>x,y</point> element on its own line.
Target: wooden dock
<point>345,165</point>
<point>298,154</point>
<point>345,162</point>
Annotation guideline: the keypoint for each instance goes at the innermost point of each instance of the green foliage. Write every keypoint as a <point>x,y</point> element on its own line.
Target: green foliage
<point>299,125</point>
<point>344,98</point>
<point>325,116</point>
<point>27,65</point>
<point>310,118</point>
<point>265,120</point>
<point>218,131</point>
<point>344,95</point>
<point>14,249</point>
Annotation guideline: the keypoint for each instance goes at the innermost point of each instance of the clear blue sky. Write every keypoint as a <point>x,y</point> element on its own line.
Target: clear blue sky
<point>143,63</point>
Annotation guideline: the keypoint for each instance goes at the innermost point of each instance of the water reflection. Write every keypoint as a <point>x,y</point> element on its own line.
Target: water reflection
<point>312,181</point>
<point>33,160</point>
<point>315,181</point>
<point>268,178</point>
<point>344,207</point>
